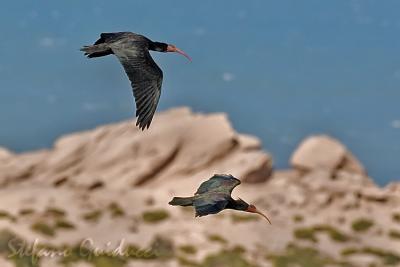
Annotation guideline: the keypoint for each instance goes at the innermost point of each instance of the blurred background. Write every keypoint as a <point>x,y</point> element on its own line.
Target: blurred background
<point>281,70</point>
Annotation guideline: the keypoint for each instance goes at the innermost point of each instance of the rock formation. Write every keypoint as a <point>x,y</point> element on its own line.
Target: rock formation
<point>111,185</point>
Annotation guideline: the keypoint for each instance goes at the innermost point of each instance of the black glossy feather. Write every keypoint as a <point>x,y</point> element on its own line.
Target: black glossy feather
<point>145,76</point>
<point>146,80</point>
<point>210,204</point>
<point>219,182</point>
<point>213,196</point>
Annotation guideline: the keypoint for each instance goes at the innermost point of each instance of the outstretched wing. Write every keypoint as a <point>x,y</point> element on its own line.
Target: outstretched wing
<point>146,80</point>
<point>210,204</point>
<point>219,183</point>
<point>109,36</point>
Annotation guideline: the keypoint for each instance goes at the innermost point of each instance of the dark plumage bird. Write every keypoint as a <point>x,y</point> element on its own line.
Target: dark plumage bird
<point>214,196</point>
<point>132,50</point>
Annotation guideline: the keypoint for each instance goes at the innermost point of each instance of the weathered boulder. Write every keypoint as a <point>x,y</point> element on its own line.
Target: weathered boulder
<point>5,154</point>
<point>324,152</point>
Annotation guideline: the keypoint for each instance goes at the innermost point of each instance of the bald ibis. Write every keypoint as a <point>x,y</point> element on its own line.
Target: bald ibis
<point>214,196</point>
<point>132,50</point>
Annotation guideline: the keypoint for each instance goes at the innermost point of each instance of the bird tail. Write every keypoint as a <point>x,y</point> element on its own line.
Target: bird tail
<point>182,201</point>
<point>99,50</point>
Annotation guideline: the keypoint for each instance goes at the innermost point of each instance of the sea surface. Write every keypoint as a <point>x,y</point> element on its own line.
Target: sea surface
<point>282,70</point>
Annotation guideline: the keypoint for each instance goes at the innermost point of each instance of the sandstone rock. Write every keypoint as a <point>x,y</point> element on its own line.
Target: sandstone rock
<point>130,172</point>
<point>349,201</point>
<point>322,199</point>
<point>352,165</point>
<point>324,152</point>
<point>20,167</point>
<point>289,173</point>
<point>374,194</point>
<point>5,154</point>
<point>318,152</point>
<point>353,179</point>
<point>248,142</point>
<point>393,187</point>
<point>260,169</point>
<point>180,143</point>
<point>317,179</point>
<point>365,260</point>
<point>295,195</point>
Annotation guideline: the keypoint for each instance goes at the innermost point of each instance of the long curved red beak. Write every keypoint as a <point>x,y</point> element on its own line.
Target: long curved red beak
<point>253,209</point>
<point>172,48</point>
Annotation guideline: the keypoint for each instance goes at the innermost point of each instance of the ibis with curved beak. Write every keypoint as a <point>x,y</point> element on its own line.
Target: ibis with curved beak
<point>145,76</point>
<point>214,195</point>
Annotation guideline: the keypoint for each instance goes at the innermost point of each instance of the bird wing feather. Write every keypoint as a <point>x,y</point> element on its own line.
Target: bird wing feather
<point>210,204</point>
<point>220,183</point>
<point>146,80</point>
<point>110,37</point>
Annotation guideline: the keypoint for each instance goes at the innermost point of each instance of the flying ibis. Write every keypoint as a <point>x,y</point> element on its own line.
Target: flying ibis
<point>214,196</point>
<point>146,77</point>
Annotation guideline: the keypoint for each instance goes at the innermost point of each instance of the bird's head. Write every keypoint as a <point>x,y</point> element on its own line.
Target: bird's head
<point>173,48</point>
<point>251,208</point>
<point>163,47</point>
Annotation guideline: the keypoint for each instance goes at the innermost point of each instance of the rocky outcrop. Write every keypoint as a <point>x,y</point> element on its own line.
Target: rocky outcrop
<point>113,183</point>
<point>180,143</point>
<point>327,153</point>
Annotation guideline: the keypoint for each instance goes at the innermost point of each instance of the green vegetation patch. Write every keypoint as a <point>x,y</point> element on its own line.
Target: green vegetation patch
<point>188,249</point>
<point>7,236</point>
<point>333,233</point>
<point>238,249</point>
<point>310,233</point>
<point>239,218</point>
<point>303,257</point>
<point>396,217</point>
<point>77,253</point>
<point>306,234</point>
<point>43,228</point>
<point>55,212</point>
<point>387,257</point>
<point>186,262</point>
<point>394,234</point>
<point>108,261</point>
<point>25,261</point>
<point>297,218</point>
<point>106,258</point>
<point>6,215</point>
<point>10,244</point>
<point>217,238</point>
<point>155,216</point>
<point>92,216</point>
<point>25,212</point>
<point>349,251</point>
<point>224,258</point>
<point>81,254</point>
<point>116,210</point>
<point>162,248</point>
<point>64,224</point>
<point>362,225</point>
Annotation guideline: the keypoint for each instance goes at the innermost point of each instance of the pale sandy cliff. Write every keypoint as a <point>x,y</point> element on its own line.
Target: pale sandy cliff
<point>113,183</point>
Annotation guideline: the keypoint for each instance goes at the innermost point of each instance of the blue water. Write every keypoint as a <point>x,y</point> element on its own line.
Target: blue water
<point>282,70</point>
